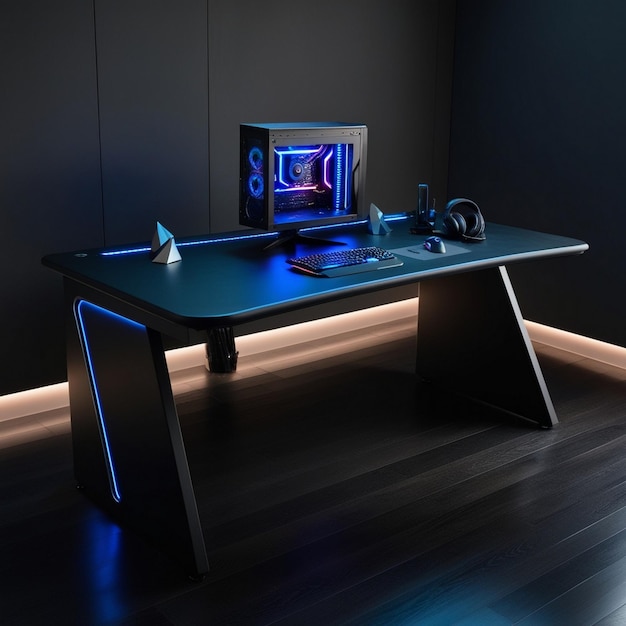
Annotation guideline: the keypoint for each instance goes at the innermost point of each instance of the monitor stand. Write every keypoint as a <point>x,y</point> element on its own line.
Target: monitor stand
<point>291,237</point>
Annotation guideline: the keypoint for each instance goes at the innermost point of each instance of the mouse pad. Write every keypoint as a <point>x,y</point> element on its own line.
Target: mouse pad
<point>420,253</point>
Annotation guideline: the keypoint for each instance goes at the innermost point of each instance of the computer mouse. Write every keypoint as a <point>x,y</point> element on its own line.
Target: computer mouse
<point>434,244</point>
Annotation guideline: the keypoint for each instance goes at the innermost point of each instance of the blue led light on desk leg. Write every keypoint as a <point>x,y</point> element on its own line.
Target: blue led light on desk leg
<point>80,305</point>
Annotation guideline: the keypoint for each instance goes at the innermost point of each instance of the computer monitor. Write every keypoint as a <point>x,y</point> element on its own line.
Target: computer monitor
<point>302,175</point>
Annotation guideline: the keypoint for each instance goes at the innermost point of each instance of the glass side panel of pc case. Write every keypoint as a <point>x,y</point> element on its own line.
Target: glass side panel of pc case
<point>301,176</point>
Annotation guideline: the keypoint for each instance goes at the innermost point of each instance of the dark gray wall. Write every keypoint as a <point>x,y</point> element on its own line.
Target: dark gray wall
<point>119,113</point>
<point>153,97</point>
<point>537,135</point>
<point>50,193</point>
<point>385,64</point>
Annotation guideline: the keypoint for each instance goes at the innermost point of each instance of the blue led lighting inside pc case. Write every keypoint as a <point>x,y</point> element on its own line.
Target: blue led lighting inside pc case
<point>301,175</point>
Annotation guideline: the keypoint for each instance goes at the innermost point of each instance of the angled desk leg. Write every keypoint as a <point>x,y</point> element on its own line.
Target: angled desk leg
<point>129,455</point>
<point>472,341</point>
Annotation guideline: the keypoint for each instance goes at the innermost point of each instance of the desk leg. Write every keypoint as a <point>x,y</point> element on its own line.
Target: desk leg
<point>472,341</point>
<point>221,351</point>
<point>129,455</point>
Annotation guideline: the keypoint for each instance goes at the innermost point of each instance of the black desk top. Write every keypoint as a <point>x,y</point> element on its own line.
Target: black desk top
<point>225,280</point>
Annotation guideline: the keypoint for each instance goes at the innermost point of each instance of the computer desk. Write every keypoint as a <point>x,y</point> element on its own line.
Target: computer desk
<point>129,453</point>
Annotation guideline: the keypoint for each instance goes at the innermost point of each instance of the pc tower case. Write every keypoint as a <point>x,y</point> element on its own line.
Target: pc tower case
<point>301,175</point>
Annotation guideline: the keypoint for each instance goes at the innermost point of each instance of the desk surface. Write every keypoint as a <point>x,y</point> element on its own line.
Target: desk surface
<point>224,280</point>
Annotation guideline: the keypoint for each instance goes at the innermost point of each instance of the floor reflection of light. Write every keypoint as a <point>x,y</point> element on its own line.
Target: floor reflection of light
<point>26,429</point>
<point>33,401</point>
<point>577,344</point>
<point>36,402</point>
<point>104,570</point>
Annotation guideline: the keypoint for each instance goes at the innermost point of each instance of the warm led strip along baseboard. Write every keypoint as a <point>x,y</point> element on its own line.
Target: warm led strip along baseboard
<point>52,397</point>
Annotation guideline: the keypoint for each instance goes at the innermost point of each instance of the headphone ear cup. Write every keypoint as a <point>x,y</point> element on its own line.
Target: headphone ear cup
<point>477,229</point>
<point>473,225</point>
<point>455,224</point>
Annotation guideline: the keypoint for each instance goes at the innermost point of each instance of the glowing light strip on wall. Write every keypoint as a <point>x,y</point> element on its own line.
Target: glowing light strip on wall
<point>78,310</point>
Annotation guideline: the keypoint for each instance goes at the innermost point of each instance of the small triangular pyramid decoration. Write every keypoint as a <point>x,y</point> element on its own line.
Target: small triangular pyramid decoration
<point>376,222</point>
<point>164,248</point>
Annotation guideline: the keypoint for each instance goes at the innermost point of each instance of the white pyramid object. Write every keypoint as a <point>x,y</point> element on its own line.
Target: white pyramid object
<point>164,248</point>
<point>376,221</point>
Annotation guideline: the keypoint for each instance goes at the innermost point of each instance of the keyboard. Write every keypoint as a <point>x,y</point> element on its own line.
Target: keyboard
<point>345,261</point>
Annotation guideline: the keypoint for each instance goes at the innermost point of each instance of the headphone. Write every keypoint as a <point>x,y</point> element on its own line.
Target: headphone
<point>463,220</point>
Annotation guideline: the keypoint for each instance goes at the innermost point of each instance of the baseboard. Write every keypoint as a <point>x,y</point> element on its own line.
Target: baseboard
<point>56,396</point>
<point>577,344</point>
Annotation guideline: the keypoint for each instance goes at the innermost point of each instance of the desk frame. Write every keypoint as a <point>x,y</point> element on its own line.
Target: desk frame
<point>129,453</point>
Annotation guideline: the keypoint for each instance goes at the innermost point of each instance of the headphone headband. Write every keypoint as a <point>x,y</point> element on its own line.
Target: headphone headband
<point>461,201</point>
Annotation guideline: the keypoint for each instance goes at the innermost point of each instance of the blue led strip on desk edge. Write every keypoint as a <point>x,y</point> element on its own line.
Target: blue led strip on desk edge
<point>78,306</point>
<point>201,242</point>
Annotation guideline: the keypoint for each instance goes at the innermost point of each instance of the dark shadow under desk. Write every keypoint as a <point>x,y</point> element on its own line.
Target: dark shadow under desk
<point>129,454</point>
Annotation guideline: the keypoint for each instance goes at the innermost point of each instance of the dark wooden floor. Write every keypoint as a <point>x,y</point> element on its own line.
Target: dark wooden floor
<point>335,489</point>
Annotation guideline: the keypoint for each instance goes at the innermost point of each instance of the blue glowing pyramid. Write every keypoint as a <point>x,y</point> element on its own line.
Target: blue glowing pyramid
<point>164,248</point>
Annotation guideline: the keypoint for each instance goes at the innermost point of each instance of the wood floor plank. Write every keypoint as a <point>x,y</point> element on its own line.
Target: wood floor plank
<point>601,565</point>
<point>587,602</point>
<point>335,488</point>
